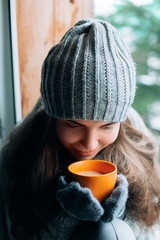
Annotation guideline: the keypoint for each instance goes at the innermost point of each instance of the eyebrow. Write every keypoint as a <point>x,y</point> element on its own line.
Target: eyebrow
<point>72,121</point>
<point>107,124</point>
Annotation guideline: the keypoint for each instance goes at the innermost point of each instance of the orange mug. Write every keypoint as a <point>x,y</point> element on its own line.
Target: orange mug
<point>98,175</point>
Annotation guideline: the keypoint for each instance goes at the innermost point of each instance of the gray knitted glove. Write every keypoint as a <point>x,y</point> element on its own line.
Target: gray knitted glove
<point>78,202</point>
<point>115,204</point>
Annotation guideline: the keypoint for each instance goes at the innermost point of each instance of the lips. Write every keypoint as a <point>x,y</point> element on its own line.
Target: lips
<point>85,154</point>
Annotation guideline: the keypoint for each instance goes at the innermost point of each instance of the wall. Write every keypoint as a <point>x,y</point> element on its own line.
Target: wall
<point>40,24</point>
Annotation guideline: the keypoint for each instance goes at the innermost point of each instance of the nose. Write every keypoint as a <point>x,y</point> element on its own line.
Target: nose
<point>90,140</point>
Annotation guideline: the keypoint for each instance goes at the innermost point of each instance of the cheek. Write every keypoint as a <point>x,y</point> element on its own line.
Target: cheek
<point>113,137</point>
<point>66,136</point>
<point>110,136</point>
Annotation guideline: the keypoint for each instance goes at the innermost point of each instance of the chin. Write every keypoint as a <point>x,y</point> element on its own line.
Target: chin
<point>80,158</point>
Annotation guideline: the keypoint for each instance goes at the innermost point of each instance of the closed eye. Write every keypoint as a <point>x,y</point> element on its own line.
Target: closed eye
<point>72,124</point>
<point>107,127</point>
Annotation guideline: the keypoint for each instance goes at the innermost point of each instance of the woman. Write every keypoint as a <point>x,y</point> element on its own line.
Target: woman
<point>87,88</point>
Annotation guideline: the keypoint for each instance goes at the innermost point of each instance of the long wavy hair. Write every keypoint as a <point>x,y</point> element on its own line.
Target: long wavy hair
<point>33,159</point>
<point>136,156</point>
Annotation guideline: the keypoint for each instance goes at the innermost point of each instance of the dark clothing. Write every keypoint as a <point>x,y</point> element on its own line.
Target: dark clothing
<point>59,225</point>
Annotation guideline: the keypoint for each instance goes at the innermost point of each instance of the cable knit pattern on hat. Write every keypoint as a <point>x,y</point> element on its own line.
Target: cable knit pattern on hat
<point>89,74</point>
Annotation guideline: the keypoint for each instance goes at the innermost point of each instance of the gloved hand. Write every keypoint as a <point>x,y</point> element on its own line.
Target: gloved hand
<point>115,204</point>
<point>78,204</point>
<point>77,201</point>
<point>81,204</point>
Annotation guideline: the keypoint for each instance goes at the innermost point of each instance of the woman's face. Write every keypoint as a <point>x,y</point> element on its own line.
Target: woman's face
<point>85,138</point>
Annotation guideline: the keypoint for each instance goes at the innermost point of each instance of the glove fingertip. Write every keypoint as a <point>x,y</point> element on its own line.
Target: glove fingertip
<point>122,180</point>
<point>61,181</point>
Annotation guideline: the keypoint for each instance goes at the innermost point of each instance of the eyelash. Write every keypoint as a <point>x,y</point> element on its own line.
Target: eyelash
<point>72,125</point>
<point>107,127</point>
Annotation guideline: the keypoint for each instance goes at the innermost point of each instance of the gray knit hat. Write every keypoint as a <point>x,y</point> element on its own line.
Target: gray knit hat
<point>89,74</point>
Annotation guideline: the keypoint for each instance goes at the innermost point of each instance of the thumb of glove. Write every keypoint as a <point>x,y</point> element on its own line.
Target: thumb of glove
<point>115,204</point>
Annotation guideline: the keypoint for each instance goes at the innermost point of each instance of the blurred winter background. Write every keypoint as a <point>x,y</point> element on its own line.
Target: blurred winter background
<point>139,23</point>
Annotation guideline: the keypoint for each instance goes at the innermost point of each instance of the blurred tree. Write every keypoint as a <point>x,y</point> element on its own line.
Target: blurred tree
<point>140,26</point>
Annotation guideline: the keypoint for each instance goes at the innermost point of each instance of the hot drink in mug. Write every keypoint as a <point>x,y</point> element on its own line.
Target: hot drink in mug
<point>98,175</point>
